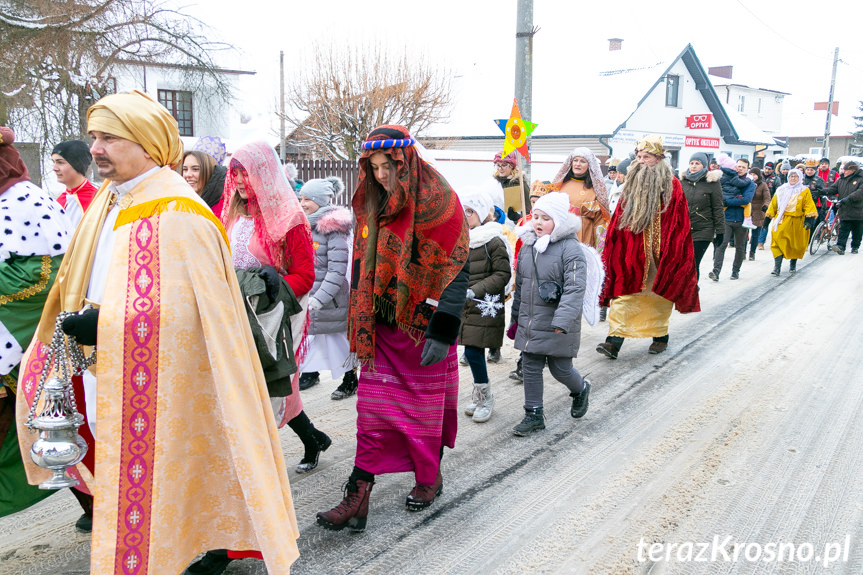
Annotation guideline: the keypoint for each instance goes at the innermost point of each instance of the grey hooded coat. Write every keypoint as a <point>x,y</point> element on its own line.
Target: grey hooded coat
<point>331,238</point>
<point>564,262</point>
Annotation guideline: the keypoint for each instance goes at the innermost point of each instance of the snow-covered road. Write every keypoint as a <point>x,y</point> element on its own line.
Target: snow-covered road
<point>744,437</point>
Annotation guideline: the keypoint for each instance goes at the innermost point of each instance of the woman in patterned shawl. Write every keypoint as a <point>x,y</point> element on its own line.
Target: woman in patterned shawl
<point>408,288</point>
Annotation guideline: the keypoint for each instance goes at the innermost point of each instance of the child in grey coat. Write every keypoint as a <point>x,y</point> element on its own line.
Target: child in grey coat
<point>549,294</point>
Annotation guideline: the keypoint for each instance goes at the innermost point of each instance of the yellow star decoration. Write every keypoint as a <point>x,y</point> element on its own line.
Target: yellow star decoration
<point>516,131</point>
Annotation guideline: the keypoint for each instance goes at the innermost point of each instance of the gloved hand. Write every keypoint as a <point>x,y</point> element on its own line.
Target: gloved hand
<point>764,208</point>
<point>82,326</point>
<point>513,215</point>
<point>837,203</point>
<point>434,352</point>
<point>470,293</point>
<point>809,222</point>
<point>717,241</point>
<point>510,333</point>
<point>273,280</point>
<point>767,221</point>
<point>314,304</point>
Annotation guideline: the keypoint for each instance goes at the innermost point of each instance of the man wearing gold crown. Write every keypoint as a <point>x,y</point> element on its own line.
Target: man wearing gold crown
<point>187,456</point>
<point>648,257</point>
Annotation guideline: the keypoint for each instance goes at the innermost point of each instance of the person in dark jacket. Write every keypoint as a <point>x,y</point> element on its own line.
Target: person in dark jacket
<point>850,190</point>
<point>704,196</point>
<point>490,271</point>
<point>760,201</point>
<point>548,330</point>
<point>816,186</point>
<point>737,192</point>
<point>328,301</point>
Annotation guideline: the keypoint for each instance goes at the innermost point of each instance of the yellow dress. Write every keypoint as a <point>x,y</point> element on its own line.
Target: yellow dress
<point>790,238</point>
<point>188,457</point>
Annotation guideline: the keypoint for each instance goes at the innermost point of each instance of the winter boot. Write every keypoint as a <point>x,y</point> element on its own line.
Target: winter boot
<point>309,379</point>
<point>533,420</point>
<point>314,440</point>
<point>494,355</point>
<point>353,509</point>
<point>475,400</point>
<point>792,268</point>
<point>421,496</point>
<point>777,266</point>
<point>348,386</point>
<point>212,563</point>
<point>579,401</point>
<point>485,403</point>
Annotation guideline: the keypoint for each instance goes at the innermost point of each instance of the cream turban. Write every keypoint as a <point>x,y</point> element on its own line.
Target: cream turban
<point>137,117</point>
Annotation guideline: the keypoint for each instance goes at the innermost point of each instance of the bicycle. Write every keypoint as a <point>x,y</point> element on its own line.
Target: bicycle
<point>826,230</point>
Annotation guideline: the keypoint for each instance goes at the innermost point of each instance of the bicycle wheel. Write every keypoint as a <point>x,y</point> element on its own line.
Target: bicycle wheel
<point>817,239</point>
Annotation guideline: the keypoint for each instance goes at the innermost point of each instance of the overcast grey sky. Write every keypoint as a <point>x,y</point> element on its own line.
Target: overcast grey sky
<point>786,46</point>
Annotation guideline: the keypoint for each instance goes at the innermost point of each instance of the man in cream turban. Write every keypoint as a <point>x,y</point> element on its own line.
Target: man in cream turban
<point>186,453</point>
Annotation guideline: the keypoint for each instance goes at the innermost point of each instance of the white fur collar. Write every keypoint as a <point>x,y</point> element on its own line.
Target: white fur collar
<point>714,175</point>
<point>481,235</point>
<point>570,228</point>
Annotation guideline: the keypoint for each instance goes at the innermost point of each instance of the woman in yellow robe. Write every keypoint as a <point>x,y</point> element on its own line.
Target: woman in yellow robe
<point>792,212</point>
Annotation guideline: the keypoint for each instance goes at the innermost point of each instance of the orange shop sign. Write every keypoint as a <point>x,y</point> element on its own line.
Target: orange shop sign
<point>695,142</point>
<point>699,121</point>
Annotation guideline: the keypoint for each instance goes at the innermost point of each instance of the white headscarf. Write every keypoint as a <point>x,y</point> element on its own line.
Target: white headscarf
<point>593,168</point>
<point>783,197</point>
<point>556,206</point>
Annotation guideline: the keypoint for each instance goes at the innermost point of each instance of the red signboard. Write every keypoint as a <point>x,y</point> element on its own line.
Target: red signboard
<point>699,121</point>
<point>695,142</point>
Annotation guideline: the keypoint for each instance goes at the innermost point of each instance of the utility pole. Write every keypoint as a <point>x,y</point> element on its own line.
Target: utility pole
<point>282,146</point>
<point>830,105</point>
<point>524,63</point>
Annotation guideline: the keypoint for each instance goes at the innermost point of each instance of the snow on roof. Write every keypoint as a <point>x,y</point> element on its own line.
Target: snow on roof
<point>746,130</point>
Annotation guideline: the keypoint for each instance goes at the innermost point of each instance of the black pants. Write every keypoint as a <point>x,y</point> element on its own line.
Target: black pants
<point>700,248</point>
<point>738,232</point>
<point>854,228</point>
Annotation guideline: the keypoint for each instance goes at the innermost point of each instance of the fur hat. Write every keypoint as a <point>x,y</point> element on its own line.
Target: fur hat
<point>478,200</point>
<point>508,159</point>
<point>77,153</point>
<point>851,166</point>
<point>322,191</point>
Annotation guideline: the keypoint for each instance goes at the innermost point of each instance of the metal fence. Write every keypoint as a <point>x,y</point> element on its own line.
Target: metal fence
<point>347,171</point>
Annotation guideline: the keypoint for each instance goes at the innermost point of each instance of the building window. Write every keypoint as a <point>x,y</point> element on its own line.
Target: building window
<point>672,89</point>
<point>180,105</point>
<point>741,103</point>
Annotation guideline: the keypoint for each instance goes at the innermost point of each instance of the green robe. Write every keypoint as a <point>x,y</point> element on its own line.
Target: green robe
<point>24,285</point>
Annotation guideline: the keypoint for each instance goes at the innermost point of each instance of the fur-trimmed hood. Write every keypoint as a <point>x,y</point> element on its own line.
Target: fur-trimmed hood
<point>570,228</point>
<point>338,220</point>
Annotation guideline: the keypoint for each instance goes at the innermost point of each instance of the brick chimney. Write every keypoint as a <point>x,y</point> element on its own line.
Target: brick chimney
<point>615,44</point>
<point>721,71</point>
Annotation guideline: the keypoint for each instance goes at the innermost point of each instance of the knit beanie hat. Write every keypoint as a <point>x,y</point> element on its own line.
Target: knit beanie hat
<point>508,159</point>
<point>476,199</point>
<point>322,191</point>
<point>623,166</point>
<point>77,153</point>
<point>725,161</point>
<point>700,157</point>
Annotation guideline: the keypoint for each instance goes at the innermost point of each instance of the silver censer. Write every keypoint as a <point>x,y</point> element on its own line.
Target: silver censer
<point>59,446</point>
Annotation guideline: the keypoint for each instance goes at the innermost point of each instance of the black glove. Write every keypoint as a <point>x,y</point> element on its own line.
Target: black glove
<point>767,221</point>
<point>764,208</point>
<point>809,222</point>
<point>434,351</point>
<point>717,241</point>
<point>273,280</point>
<point>82,326</point>
<point>513,215</point>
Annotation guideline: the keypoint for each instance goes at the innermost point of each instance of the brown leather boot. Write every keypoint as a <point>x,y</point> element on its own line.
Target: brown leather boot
<point>424,495</point>
<point>353,509</point>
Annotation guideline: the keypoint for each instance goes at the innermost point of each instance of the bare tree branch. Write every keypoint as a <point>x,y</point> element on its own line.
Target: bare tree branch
<point>344,94</point>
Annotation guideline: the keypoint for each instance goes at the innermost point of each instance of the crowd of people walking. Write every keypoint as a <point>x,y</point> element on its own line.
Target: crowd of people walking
<point>189,266</point>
